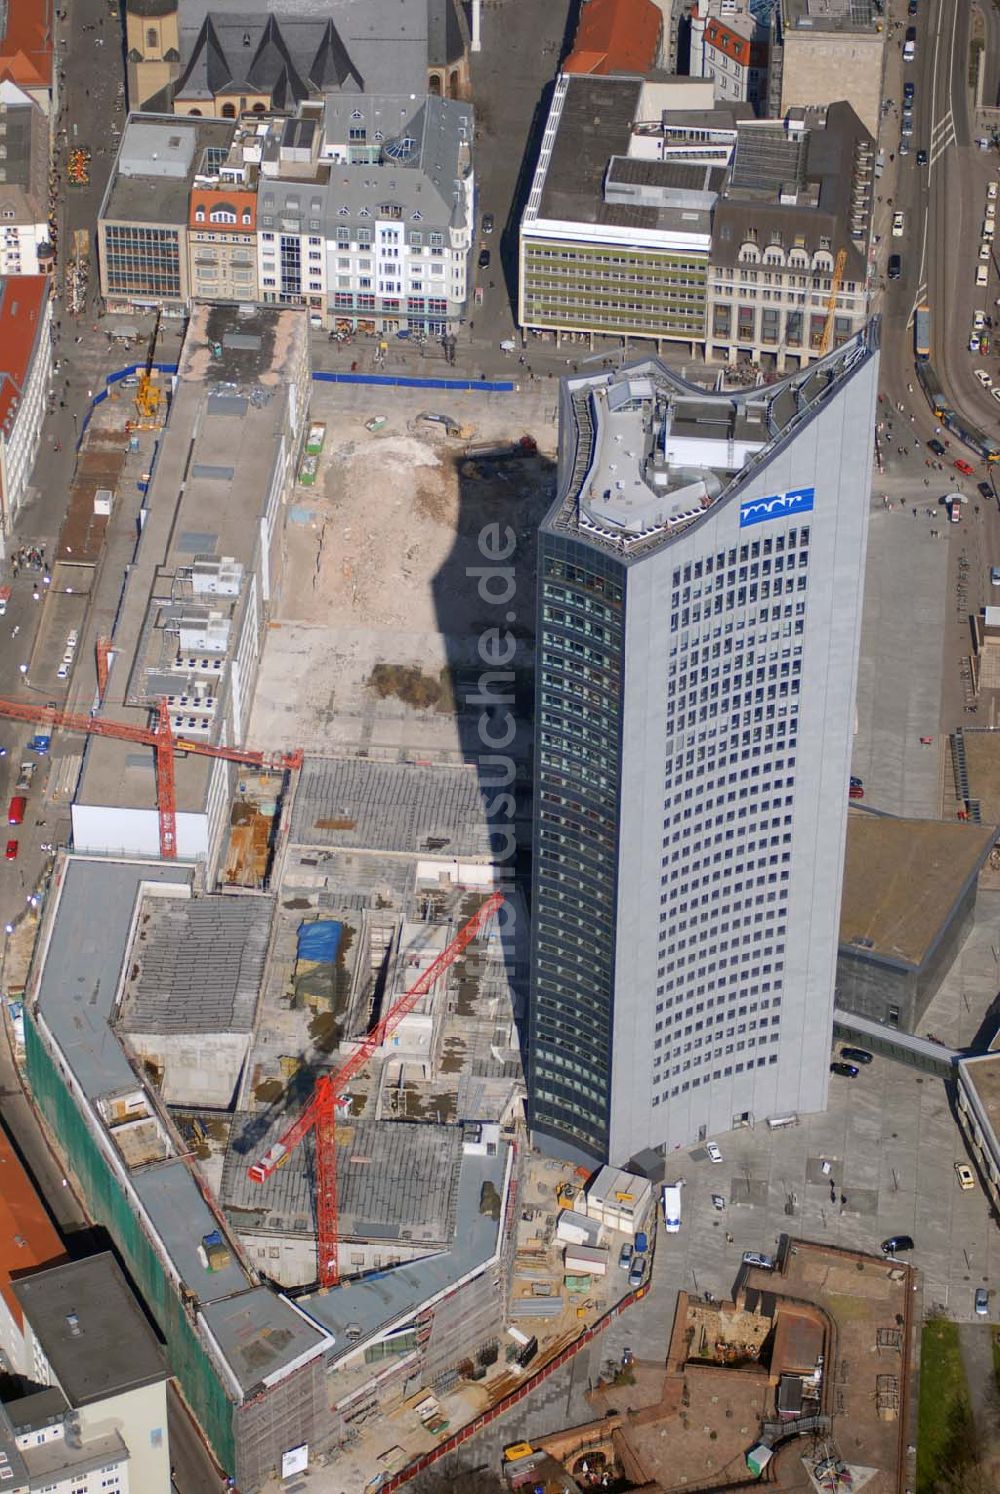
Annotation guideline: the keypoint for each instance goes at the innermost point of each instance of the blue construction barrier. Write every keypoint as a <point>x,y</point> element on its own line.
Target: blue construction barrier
<point>491,386</point>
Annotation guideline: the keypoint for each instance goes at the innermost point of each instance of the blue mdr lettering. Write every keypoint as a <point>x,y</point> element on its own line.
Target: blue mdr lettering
<point>778,506</point>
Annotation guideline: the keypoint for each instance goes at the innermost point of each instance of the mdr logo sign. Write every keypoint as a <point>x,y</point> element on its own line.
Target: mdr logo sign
<point>779,506</point>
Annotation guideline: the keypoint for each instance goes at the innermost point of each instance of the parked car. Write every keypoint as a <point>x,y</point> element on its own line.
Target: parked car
<point>984,490</point>
<point>995,575</point>
<point>637,1272</point>
<point>996,394</point>
<point>978,321</point>
<point>11,850</point>
<point>856,1055</point>
<point>855,793</point>
<point>896,1244</point>
<point>983,377</point>
<point>963,466</point>
<point>625,1257</point>
<point>982,1301</point>
<point>641,1242</point>
<point>936,446</point>
<point>844,1070</point>
<point>484,259</point>
<point>758,1258</point>
<point>714,1154</point>
<point>895,266</point>
<point>966,1177</point>
<point>488,223</point>
<point>898,222</point>
<point>909,89</point>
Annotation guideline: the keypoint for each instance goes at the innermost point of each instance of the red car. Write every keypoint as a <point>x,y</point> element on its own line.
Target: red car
<point>12,850</point>
<point>854,792</point>
<point>964,467</point>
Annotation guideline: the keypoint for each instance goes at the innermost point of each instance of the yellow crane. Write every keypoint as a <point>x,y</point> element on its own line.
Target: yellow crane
<point>149,394</point>
<point>831,305</point>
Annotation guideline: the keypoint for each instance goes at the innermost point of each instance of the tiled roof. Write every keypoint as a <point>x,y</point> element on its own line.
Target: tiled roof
<point>28,1238</point>
<point>616,36</point>
<point>26,47</point>
<point>729,43</point>
<point>238,201</point>
<point>22,299</point>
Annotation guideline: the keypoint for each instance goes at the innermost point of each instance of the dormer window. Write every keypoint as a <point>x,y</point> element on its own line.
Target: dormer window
<point>246,217</point>
<point>199,215</point>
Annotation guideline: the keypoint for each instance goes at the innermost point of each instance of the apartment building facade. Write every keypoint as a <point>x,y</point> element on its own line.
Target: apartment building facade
<point>26,338</point>
<point>361,211</point>
<point>790,273</point>
<point>699,610</point>
<point>728,44</point>
<point>25,234</point>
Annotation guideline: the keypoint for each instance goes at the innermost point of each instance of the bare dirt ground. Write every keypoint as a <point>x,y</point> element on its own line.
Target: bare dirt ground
<point>374,636</point>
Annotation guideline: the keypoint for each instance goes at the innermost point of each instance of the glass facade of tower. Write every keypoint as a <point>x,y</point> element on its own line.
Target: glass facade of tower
<point>577,785</point>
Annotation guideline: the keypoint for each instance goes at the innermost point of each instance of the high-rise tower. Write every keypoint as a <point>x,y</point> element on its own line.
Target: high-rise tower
<point>700,587</point>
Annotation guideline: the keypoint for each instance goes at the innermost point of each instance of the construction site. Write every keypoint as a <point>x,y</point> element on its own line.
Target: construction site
<point>382,611</point>
<point>274,1013</point>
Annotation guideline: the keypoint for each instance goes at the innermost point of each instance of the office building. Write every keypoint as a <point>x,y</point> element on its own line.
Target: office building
<point>100,1426</point>
<point>142,226</point>
<point>790,236</point>
<point>658,213</point>
<point>25,378</point>
<point>909,902</point>
<point>700,590</point>
<point>825,50</point>
<point>617,229</point>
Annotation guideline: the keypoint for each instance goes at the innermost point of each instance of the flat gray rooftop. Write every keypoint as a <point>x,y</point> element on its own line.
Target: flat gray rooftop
<point>91,1328</point>
<point>803,16</point>
<point>227,429</point>
<point>196,965</point>
<point>153,193</point>
<point>354,803</point>
<point>260,1332</point>
<point>377,1301</point>
<point>395,1182</point>
<point>84,961</point>
<point>182,1219</point>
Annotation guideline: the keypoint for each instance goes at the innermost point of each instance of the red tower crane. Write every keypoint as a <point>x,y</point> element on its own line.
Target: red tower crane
<point>320,1113</point>
<point>164,744</point>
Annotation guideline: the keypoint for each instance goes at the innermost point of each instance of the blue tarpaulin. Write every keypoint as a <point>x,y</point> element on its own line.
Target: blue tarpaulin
<point>319,941</point>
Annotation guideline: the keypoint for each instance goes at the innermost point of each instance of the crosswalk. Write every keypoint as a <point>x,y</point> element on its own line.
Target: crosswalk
<point>942,135</point>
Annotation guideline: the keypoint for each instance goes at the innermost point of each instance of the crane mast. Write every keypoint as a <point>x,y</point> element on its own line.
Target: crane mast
<point>320,1112</point>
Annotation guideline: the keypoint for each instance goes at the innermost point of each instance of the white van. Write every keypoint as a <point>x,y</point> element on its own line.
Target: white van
<point>671,1208</point>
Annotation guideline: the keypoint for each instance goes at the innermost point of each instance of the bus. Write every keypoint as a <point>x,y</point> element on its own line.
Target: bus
<point>929,383</point>
<point>982,444</point>
<point>922,333</point>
